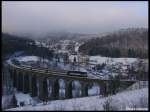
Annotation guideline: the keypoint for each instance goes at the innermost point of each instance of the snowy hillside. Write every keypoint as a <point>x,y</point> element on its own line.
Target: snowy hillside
<point>109,60</point>
<point>120,101</point>
<point>28,58</point>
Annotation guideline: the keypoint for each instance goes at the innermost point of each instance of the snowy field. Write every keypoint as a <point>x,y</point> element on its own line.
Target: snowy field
<point>108,60</point>
<point>121,101</point>
<point>29,58</point>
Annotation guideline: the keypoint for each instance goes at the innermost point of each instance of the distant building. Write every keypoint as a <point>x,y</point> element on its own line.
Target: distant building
<point>72,57</point>
<point>82,59</point>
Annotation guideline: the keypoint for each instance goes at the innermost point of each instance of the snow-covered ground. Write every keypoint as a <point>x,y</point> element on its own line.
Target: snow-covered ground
<point>26,98</point>
<point>29,58</point>
<point>108,60</point>
<point>121,101</point>
<point>6,99</point>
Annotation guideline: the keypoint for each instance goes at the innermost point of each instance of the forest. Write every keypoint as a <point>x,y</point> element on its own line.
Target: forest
<point>12,44</point>
<point>124,43</point>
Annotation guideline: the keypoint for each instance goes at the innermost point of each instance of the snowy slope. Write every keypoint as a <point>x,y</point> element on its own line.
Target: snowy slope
<point>30,58</point>
<point>6,99</point>
<point>119,101</point>
<point>27,58</point>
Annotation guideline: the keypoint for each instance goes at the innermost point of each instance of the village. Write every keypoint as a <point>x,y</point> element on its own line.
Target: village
<point>68,57</point>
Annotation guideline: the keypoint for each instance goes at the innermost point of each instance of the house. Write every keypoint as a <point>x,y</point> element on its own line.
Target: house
<point>82,59</point>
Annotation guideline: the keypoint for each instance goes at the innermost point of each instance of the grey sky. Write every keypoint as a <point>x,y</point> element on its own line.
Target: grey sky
<point>81,17</point>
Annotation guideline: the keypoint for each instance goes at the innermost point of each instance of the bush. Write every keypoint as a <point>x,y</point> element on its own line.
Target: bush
<point>13,101</point>
<point>21,104</point>
<point>111,105</point>
<point>16,62</point>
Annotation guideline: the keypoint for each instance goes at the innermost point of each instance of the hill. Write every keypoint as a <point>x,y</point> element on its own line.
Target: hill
<point>131,42</point>
<point>12,44</point>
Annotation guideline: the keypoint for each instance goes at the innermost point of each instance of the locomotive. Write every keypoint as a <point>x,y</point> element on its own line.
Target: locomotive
<point>77,73</point>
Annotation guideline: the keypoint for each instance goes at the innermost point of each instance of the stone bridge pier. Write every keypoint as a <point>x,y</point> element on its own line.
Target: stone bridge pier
<point>68,89</point>
<point>103,88</point>
<point>33,85</point>
<point>43,91</point>
<point>26,83</point>
<point>55,89</point>
<point>17,81</point>
<point>84,89</point>
<point>14,77</point>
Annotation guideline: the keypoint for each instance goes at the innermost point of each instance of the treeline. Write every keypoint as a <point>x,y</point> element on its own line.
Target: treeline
<point>130,43</point>
<point>117,52</point>
<point>12,44</point>
<point>40,51</point>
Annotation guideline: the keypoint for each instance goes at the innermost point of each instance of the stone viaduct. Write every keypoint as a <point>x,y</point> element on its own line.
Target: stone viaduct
<point>25,80</point>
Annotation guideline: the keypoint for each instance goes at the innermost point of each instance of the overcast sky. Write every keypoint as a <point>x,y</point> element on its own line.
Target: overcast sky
<point>81,17</point>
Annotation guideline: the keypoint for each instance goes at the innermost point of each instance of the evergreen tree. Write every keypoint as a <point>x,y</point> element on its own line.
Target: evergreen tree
<point>74,60</point>
<point>13,101</point>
